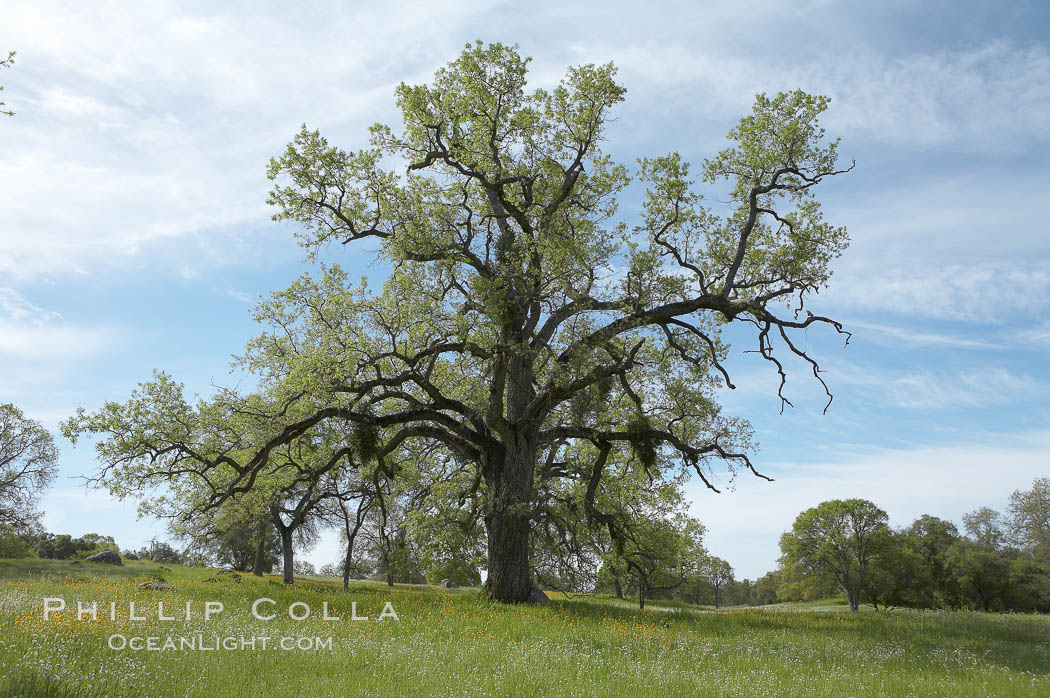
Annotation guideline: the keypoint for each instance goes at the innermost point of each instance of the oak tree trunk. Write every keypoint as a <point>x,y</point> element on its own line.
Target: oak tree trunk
<point>346,563</point>
<point>260,550</point>
<point>508,470</point>
<point>287,555</point>
<point>508,519</point>
<point>351,536</point>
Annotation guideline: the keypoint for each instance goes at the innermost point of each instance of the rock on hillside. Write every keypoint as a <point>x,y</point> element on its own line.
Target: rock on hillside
<point>107,556</point>
<point>155,586</point>
<point>537,596</point>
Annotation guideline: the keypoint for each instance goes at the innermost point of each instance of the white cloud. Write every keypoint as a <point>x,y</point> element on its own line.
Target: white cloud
<point>33,336</point>
<point>945,481</point>
<point>153,122</point>
<point>981,293</point>
<point>996,386</point>
<point>1038,335</point>
<point>16,307</point>
<point>60,102</point>
<point>919,338</point>
<point>51,343</point>
<point>987,98</point>
<point>240,296</point>
<point>942,389</point>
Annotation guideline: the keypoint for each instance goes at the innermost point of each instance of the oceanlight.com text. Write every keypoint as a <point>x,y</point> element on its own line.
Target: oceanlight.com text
<point>214,643</point>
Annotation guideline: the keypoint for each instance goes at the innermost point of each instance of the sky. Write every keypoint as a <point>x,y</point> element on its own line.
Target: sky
<point>134,233</point>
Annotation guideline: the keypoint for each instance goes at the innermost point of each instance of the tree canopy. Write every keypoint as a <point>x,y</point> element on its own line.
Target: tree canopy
<point>28,461</point>
<point>840,538</point>
<point>527,330</point>
<point>1030,518</point>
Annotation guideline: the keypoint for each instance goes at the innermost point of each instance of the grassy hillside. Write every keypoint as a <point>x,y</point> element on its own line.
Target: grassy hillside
<point>456,644</point>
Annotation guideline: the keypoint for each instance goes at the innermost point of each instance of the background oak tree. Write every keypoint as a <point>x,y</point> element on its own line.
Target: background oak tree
<point>28,462</point>
<point>841,538</point>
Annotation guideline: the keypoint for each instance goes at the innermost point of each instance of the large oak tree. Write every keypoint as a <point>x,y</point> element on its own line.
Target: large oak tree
<point>526,328</point>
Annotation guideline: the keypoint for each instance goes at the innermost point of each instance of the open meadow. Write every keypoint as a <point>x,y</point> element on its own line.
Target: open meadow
<point>454,643</point>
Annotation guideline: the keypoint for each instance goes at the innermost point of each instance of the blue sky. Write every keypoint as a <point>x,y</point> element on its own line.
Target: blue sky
<point>134,232</point>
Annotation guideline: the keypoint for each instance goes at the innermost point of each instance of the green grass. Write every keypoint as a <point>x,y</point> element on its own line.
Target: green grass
<point>457,644</point>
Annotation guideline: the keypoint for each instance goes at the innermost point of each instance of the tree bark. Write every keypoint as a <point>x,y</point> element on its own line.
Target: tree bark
<point>508,469</point>
<point>260,550</point>
<point>345,564</point>
<point>287,554</point>
<point>508,520</point>
<point>351,536</point>
<point>617,588</point>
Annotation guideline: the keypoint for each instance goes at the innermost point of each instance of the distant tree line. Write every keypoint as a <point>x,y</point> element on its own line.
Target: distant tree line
<point>35,542</point>
<point>997,563</point>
